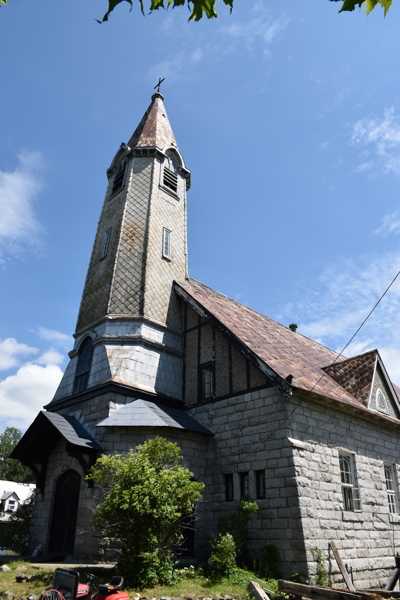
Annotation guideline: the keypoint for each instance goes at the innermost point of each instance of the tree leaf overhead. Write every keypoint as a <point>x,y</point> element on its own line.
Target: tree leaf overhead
<point>369,5</point>
<point>198,8</point>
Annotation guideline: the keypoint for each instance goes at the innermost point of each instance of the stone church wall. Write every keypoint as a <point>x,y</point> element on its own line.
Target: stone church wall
<point>366,539</point>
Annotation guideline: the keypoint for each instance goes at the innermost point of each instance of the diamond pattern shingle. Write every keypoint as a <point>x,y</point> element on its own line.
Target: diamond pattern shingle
<point>154,129</point>
<point>286,352</point>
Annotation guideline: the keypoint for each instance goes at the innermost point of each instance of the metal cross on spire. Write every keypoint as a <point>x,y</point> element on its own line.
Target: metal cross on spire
<point>158,84</point>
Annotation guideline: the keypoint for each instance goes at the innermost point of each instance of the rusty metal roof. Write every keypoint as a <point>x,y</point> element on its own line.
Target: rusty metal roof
<point>288,352</point>
<point>154,130</point>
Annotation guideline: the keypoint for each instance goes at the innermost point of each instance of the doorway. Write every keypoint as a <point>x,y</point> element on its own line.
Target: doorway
<point>65,513</point>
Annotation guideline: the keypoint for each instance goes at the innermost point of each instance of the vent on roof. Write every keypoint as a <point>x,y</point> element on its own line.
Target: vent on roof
<point>293,327</point>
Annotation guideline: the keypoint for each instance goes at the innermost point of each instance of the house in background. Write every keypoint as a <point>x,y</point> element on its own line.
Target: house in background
<point>256,408</point>
<point>12,495</point>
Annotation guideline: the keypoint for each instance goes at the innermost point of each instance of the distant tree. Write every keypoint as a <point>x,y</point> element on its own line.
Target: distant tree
<point>11,469</point>
<point>146,498</point>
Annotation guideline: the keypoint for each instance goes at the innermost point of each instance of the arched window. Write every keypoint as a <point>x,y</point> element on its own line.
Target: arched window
<point>171,171</point>
<point>83,366</point>
<point>381,403</point>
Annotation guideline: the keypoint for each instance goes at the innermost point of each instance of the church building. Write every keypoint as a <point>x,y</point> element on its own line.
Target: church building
<point>257,409</point>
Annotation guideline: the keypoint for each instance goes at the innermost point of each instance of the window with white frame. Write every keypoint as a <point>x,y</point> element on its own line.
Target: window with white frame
<point>106,243</point>
<point>350,493</point>
<point>381,403</point>
<point>166,243</point>
<point>391,488</point>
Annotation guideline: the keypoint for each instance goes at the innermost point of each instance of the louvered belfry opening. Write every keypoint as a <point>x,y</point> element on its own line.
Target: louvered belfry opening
<point>65,513</point>
<point>170,180</point>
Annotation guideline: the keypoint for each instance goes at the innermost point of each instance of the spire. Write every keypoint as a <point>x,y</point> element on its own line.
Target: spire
<point>154,130</point>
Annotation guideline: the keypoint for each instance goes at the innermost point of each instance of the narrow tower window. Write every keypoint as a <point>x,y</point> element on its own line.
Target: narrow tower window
<point>166,244</point>
<point>229,487</point>
<point>260,484</point>
<point>119,177</point>
<point>207,381</point>
<point>83,366</point>
<point>106,243</point>
<point>170,172</point>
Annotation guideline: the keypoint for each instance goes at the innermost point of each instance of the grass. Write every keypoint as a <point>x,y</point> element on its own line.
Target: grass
<point>192,583</point>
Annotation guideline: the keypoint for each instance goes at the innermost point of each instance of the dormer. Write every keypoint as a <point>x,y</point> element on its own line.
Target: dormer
<point>365,378</point>
<point>10,502</point>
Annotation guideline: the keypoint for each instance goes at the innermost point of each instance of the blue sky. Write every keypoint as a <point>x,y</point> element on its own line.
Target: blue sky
<point>288,115</point>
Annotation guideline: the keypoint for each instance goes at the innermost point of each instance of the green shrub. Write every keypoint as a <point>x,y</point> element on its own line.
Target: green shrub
<point>322,576</point>
<point>223,555</point>
<point>237,524</point>
<point>146,496</point>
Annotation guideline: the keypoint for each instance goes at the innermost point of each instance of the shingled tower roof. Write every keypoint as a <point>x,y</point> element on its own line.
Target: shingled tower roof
<point>154,130</point>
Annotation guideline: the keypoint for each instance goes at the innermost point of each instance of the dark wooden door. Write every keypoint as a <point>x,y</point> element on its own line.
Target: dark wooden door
<point>65,513</point>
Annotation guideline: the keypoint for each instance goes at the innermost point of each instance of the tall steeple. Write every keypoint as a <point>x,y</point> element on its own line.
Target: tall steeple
<point>129,272</point>
<point>128,302</point>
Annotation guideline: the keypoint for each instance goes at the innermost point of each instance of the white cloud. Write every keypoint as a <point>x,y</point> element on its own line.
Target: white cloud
<point>50,357</point>
<point>391,224</point>
<point>24,394</point>
<point>54,336</point>
<point>19,226</point>
<point>261,27</point>
<point>382,135</point>
<point>256,33</point>
<point>11,351</point>
<point>345,294</point>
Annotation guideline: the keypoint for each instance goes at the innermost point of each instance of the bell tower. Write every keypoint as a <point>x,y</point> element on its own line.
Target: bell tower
<point>129,308</point>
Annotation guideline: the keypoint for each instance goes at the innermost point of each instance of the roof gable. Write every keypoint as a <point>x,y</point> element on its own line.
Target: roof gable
<point>313,367</point>
<point>355,374</point>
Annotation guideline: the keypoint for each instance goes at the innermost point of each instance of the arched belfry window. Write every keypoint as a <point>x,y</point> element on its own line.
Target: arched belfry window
<point>171,171</point>
<point>83,366</point>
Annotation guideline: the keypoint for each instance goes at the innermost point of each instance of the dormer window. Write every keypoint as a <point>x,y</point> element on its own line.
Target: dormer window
<point>83,366</point>
<point>381,403</point>
<point>170,171</point>
<point>119,177</point>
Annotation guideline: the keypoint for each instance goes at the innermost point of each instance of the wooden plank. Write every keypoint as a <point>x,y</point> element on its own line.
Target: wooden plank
<point>322,593</point>
<point>256,591</point>
<point>382,593</point>
<point>341,566</point>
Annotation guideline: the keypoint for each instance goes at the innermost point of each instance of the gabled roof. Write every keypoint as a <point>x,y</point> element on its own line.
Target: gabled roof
<point>46,431</point>
<point>284,351</point>
<point>8,494</point>
<point>154,130</point>
<point>355,374</point>
<point>141,413</point>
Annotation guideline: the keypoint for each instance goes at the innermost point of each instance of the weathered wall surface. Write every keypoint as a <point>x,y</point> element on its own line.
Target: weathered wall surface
<point>251,435</point>
<point>367,540</point>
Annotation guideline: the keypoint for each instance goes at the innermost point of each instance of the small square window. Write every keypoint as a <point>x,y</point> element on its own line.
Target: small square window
<point>244,485</point>
<point>166,243</point>
<point>260,484</point>
<point>106,243</point>
<point>229,487</point>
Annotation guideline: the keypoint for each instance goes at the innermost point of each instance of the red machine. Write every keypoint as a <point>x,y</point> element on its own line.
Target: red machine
<point>66,586</point>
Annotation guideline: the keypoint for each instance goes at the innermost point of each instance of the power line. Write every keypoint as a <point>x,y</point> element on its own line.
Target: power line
<point>337,357</point>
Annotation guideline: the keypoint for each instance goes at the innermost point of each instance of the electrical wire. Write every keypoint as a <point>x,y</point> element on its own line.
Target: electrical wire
<point>323,375</point>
